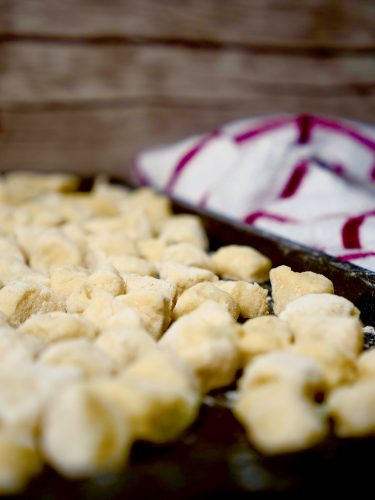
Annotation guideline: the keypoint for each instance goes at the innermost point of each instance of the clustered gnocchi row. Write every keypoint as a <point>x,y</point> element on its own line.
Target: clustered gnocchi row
<point>116,321</point>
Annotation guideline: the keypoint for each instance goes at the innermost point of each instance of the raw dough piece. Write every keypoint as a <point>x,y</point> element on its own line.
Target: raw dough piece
<point>188,255</point>
<point>210,350</point>
<point>196,295</point>
<point>288,285</point>
<point>263,334</point>
<point>241,262</point>
<point>184,229</point>
<point>81,354</point>
<point>125,345</point>
<point>184,276</point>
<point>56,326</point>
<point>250,297</point>
<point>85,432</point>
<point>18,301</point>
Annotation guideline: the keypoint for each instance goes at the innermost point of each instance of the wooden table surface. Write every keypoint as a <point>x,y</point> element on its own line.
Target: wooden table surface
<point>86,84</point>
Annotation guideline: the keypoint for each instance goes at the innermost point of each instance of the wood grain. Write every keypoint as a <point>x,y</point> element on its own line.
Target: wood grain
<point>86,84</point>
<point>105,139</point>
<point>38,73</point>
<point>282,23</point>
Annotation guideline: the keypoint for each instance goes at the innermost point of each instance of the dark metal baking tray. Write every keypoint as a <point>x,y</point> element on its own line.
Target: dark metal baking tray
<point>213,458</point>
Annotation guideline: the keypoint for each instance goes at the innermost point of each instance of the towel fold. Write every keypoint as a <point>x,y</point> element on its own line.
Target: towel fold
<point>307,178</point>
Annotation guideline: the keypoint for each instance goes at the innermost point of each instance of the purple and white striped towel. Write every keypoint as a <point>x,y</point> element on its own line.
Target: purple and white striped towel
<point>305,177</point>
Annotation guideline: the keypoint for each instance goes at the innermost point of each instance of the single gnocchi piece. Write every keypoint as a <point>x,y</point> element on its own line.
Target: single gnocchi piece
<point>134,224</point>
<point>196,295</point>
<point>152,307</point>
<point>211,351</point>
<point>352,409</point>
<point>136,283</point>
<point>57,326</point>
<point>74,232</point>
<point>18,348</point>
<point>184,229</point>
<point>25,391</point>
<point>157,207</point>
<point>85,432</point>
<point>123,317</point>
<point>113,193</point>
<point>18,301</point>
<point>106,280</point>
<point>261,335</point>
<point>300,373</point>
<point>163,367</point>
<point>338,367</point>
<point>156,412</point>
<point>64,280</point>
<point>39,215</point>
<point>80,354</point>
<point>241,262</point>
<point>343,333</point>
<point>288,285</point>
<point>162,396</point>
<point>112,244</point>
<point>46,248</point>
<point>19,462</point>
<point>133,265</point>
<point>209,313</point>
<point>15,270</point>
<point>105,313</point>
<point>278,420</point>
<point>188,255</point>
<point>21,186</point>
<point>9,249</point>
<point>125,345</point>
<point>184,276</point>
<point>152,249</point>
<point>250,297</point>
<point>366,364</point>
<point>276,403</point>
<point>318,305</point>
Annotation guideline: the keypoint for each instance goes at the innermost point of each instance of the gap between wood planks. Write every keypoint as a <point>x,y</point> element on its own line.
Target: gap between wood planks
<point>302,90</point>
<point>313,48</point>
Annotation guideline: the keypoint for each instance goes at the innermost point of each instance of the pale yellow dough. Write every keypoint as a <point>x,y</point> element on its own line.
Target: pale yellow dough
<point>352,409</point>
<point>56,326</point>
<point>80,354</point>
<point>46,248</point>
<point>184,276</point>
<point>85,432</point>
<point>366,364</point>
<point>260,335</point>
<point>210,350</point>
<point>276,403</point>
<point>18,301</point>
<point>19,462</point>
<point>196,295</point>
<point>125,345</point>
<point>184,229</point>
<point>250,297</point>
<point>17,347</point>
<point>187,254</point>
<point>288,285</point>
<point>278,420</point>
<point>241,262</point>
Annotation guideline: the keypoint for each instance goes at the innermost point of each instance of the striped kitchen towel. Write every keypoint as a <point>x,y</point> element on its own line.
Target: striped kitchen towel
<point>307,178</point>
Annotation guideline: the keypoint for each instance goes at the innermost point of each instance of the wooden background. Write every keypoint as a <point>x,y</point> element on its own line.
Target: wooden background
<point>85,84</point>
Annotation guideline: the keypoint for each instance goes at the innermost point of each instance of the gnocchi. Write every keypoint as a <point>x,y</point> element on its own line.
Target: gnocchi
<point>116,321</point>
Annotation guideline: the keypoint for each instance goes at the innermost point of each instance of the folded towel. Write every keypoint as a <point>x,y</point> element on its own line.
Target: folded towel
<point>307,178</point>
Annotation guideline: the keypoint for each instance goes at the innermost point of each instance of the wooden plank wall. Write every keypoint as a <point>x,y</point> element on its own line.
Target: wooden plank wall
<point>85,84</point>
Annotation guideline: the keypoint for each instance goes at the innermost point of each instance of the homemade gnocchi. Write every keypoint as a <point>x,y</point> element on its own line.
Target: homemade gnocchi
<point>116,320</point>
